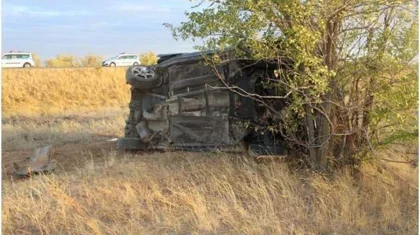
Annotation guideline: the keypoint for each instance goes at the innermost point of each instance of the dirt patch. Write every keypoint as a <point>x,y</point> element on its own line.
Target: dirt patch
<point>75,137</point>
<point>68,156</point>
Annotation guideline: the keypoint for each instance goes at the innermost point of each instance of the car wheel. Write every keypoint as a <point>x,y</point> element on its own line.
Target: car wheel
<point>142,77</point>
<point>27,65</point>
<point>135,63</point>
<point>112,64</point>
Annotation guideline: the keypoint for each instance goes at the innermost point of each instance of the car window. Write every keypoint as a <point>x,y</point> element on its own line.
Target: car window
<point>122,57</point>
<point>6,57</point>
<point>23,56</point>
<point>13,57</point>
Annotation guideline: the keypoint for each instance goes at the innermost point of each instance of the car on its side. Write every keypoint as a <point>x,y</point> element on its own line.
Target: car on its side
<point>184,103</point>
<point>123,59</point>
<point>17,60</point>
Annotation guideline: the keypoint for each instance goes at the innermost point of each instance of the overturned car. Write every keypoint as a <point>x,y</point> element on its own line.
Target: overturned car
<point>186,103</point>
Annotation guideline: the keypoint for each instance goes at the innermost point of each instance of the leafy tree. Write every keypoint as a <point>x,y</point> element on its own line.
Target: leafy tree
<point>61,61</point>
<point>37,60</point>
<point>353,87</point>
<point>91,61</point>
<point>149,58</point>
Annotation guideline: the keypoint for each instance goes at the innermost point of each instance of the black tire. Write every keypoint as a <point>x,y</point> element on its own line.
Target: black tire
<point>112,64</point>
<point>126,143</point>
<point>142,77</point>
<point>27,65</point>
<point>135,63</point>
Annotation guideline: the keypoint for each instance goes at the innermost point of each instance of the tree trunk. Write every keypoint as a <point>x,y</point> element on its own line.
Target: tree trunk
<point>311,134</point>
<point>330,59</point>
<point>324,136</point>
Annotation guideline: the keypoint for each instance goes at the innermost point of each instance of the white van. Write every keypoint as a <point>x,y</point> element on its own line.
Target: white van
<point>123,59</point>
<point>17,60</point>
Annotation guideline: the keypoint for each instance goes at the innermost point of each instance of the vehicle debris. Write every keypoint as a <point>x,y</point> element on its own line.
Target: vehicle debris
<point>39,162</point>
<point>112,140</point>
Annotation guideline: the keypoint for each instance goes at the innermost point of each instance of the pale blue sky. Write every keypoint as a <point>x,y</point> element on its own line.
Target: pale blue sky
<point>100,27</point>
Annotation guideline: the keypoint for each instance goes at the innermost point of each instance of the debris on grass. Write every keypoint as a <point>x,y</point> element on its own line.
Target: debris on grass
<point>39,162</point>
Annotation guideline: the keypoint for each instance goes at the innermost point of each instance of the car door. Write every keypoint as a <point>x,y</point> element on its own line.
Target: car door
<point>119,60</point>
<point>26,58</point>
<point>134,60</point>
<point>122,60</point>
<point>4,60</point>
<point>126,60</point>
<point>131,60</point>
<point>14,62</point>
<point>20,61</point>
<point>10,61</point>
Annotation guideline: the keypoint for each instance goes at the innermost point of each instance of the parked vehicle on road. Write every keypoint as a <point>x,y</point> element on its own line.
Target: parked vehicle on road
<point>123,59</point>
<point>182,103</point>
<point>17,60</point>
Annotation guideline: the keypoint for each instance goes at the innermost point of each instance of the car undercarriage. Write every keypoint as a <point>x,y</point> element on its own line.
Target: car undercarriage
<point>185,103</point>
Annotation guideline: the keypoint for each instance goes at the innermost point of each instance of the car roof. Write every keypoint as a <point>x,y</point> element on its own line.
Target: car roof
<point>128,53</point>
<point>13,52</point>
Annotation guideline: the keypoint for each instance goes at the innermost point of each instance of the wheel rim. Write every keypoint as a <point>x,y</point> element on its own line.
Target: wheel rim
<point>143,72</point>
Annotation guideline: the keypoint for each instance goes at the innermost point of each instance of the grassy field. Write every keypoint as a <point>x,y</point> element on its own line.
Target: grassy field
<point>33,92</point>
<point>97,190</point>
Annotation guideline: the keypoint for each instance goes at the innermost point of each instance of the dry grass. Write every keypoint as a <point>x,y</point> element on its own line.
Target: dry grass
<point>71,134</point>
<point>96,190</point>
<point>190,193</point>
<point>35,91</point>
<point>20,133</point>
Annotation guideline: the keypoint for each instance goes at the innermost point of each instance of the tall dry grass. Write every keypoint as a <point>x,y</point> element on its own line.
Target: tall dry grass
<point>192,193</point>
<point>19,133</point>
<point>28,92</point>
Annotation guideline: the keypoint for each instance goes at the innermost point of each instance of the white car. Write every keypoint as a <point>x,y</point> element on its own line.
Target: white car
<point>17,60</point>
<point>123,59</point>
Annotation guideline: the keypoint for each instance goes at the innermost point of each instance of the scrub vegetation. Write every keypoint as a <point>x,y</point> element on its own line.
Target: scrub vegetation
<point>347,69</point>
